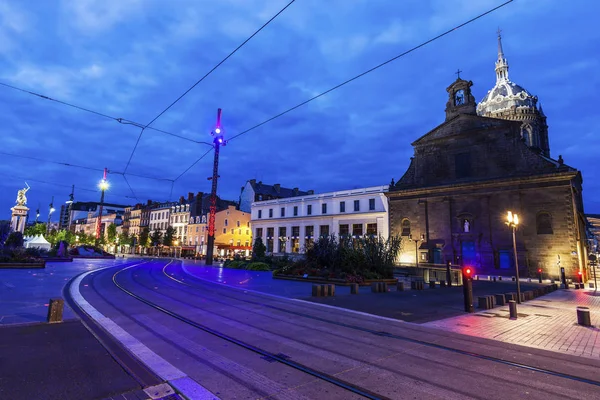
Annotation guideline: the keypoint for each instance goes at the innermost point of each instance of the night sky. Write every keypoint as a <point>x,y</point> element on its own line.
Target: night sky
<point>131,59</point>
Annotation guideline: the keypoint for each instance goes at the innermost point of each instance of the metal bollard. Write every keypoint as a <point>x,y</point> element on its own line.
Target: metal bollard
<point>431,284</point>
<point>317,290</point>
<point>374,287</point>
<point>442,283</point>
<point>583,316</point>
<point>354,288</point>
<point>55,310</point>
<point>500,300</point>
<point>400,286</point>
<point>512,306</point>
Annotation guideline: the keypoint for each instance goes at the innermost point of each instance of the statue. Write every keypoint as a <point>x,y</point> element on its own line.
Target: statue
<point>467,225</point>
<point>21,198</point>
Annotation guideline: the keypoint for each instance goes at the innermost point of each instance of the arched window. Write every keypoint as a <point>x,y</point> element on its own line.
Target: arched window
<point>544,224</point>
<point>405,227</point>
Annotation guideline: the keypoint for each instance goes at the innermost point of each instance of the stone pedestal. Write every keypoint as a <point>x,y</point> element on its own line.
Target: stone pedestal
<point>18,218</point>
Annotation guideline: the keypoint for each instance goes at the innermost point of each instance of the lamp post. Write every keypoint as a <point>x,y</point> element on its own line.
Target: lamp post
<point>218,141</point>
<point>410,238</point>
<point>50,211</point>
<point>103,185</point>
<point>512,220</point>
<point>68,210</point>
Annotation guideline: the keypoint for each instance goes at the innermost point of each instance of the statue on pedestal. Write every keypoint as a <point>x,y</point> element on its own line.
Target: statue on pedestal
<point>21,198</point>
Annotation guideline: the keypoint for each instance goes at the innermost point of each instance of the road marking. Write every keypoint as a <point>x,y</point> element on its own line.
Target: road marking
<point>167,371</point>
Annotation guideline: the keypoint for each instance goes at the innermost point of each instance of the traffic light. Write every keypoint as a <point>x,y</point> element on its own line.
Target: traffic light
<point>540,275</point>
<point>467,272</point>
<point>580,276</point>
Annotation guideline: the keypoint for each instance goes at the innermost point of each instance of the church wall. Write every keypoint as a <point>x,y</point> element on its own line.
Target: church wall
<point>492,239</point>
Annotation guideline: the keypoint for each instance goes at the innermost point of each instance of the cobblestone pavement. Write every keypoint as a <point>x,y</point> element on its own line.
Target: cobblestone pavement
<point>548,322</point>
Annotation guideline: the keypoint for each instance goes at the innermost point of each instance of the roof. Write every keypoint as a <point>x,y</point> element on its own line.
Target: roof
<point>275,190</point>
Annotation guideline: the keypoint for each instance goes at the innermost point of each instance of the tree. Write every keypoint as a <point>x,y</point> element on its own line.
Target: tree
<point>258,250</point>
<point>168,238</point>
<point>15,239</point>
<point>63,235</point>
<point>124,239</point>
<point>144,237</point>
<point>111,233</point>
<point>37,229</point>
<point>156,238</point>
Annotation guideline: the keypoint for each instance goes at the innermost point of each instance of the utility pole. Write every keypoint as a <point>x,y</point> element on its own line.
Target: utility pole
<point>218,141</point>
<point>103,186</point>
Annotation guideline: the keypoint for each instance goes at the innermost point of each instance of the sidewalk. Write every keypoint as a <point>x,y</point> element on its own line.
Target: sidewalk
<point>548,322</point>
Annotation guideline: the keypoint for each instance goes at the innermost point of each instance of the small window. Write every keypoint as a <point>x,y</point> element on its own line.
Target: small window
<point>260,197</point>
<point>405,227</point>
<point>232,231</point>
<point>309,231</point>
<point>544,224</point>
<point>270,213</point>
<point>309,209</point>
<point>224,230</point>
<point>238,224</point>
<point>371,204</point>
<point>357,229</point>
<point>372,229</point>
<point>324,208</point>
<point>344,229</point>
<point>356,205</point>
<point>259,232</point>
<point>282,211</point>
<point>259,214</point>
<point>226,222</point>
<point>295,211</point>
<point>342,206</point>
<point>324,230</point>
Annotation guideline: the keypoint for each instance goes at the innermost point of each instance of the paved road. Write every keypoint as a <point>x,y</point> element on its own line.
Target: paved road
<point>391,359</point>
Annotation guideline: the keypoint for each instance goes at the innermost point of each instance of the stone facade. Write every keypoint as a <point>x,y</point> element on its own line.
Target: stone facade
<point>466,174</point>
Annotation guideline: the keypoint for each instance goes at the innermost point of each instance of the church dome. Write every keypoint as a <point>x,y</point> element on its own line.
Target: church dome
<point>505,95</point>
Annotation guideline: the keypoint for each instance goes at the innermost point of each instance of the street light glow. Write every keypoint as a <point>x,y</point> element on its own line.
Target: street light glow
<point>217,130</point>
<point>103,185</point>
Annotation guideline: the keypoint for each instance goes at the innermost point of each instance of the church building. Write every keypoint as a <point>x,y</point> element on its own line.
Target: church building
<point>465,176</point>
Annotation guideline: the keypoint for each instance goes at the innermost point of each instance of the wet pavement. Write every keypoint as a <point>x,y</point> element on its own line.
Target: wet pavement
<point>25,293</point>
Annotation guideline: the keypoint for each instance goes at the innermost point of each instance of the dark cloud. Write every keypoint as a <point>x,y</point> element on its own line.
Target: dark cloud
<point>132,59</point>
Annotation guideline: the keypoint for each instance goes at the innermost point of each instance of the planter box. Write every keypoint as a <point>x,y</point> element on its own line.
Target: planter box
<point>17,265</point>
<point>337,281</point>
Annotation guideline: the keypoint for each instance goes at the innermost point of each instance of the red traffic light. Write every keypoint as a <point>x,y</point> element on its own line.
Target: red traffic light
<point>467,271</point>
<point>579,273</point>
<point>539,270</point>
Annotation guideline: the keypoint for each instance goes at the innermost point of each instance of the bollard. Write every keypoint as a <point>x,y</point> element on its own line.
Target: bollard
<point>442,283</point>
<point>483,303</point>
<point>374,287</point>
<point>583,316</point>
<point>494,279</point>
<point>511,296</point>
<point>317,290</point>
<point>354,288</point>
<point>513,278</point>
<point>55,310</point>
<point>382,287</point>
<point>499,278</point>
<point>330,290</point>
<point>512,306</point>
<point>400,286</point>
<point>500,300</point>
<point>431,284</point>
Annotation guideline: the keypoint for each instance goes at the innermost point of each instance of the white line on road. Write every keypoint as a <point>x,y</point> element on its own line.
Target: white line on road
<point>191,389</point>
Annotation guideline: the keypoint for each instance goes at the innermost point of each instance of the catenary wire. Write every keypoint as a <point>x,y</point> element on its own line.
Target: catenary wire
<point>190,167</point>
<point>122,121</point>
<point>130,188</point>
<point>82,166</point>
<point>371,69</point>
<point>201,79</point>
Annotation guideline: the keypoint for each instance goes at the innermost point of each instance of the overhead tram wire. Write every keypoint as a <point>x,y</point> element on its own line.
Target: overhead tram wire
<point>65,164</point>
<point>371,70</point>
<point>130,188</point>
<point>122,121</point>
<point>190,167</point>
<point>201,79</point>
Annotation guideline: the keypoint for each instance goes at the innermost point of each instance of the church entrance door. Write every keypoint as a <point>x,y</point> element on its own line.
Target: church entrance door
<point>468,253</point>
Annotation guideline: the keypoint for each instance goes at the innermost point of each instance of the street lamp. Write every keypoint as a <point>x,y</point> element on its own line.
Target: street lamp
<point>410,238</point>
<point>50,211</point>
<point>218,142</point>
<point>103,185</point>
<point>512,220</point>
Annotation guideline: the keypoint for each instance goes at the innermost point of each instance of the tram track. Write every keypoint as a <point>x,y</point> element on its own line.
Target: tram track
<point>398,337</point>
<point>269,356</point>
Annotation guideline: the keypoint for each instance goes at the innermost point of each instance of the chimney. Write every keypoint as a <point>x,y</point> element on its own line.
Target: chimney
<point>200,195</point>
<point>190,196</point>
<point>181,200</point>
<point>252,181</point>
<point>243,187</point>
<point>311,192</point>
<point>560,160</point>
<point>277,187</point>
<point>295,190</point>
<point>149,203</point>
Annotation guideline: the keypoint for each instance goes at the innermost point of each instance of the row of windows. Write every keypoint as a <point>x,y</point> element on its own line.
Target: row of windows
<point>309,231</point>
<point>233,231</point>
<point>543,225</point>
<point>238,223</point>
<point>309,210</point>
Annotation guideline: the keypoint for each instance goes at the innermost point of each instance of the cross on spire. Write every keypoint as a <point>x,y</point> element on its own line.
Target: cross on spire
<point>458,73</point>
<point>499,31</point>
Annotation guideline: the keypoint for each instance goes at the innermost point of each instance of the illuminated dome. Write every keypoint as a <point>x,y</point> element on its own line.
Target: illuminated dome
<point>505,95</point>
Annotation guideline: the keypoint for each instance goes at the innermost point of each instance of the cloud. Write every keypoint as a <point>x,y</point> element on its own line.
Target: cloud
<point>93,17</point>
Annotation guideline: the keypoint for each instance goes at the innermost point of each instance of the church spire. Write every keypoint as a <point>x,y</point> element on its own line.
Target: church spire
<point>501,64</point>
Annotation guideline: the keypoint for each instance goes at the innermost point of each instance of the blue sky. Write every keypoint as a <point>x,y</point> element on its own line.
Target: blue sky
<point>132,58</point>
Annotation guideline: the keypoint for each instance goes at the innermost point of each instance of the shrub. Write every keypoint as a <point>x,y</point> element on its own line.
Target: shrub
<point>14,239</point>
<point>258,250</point>
<point>258,266</point>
